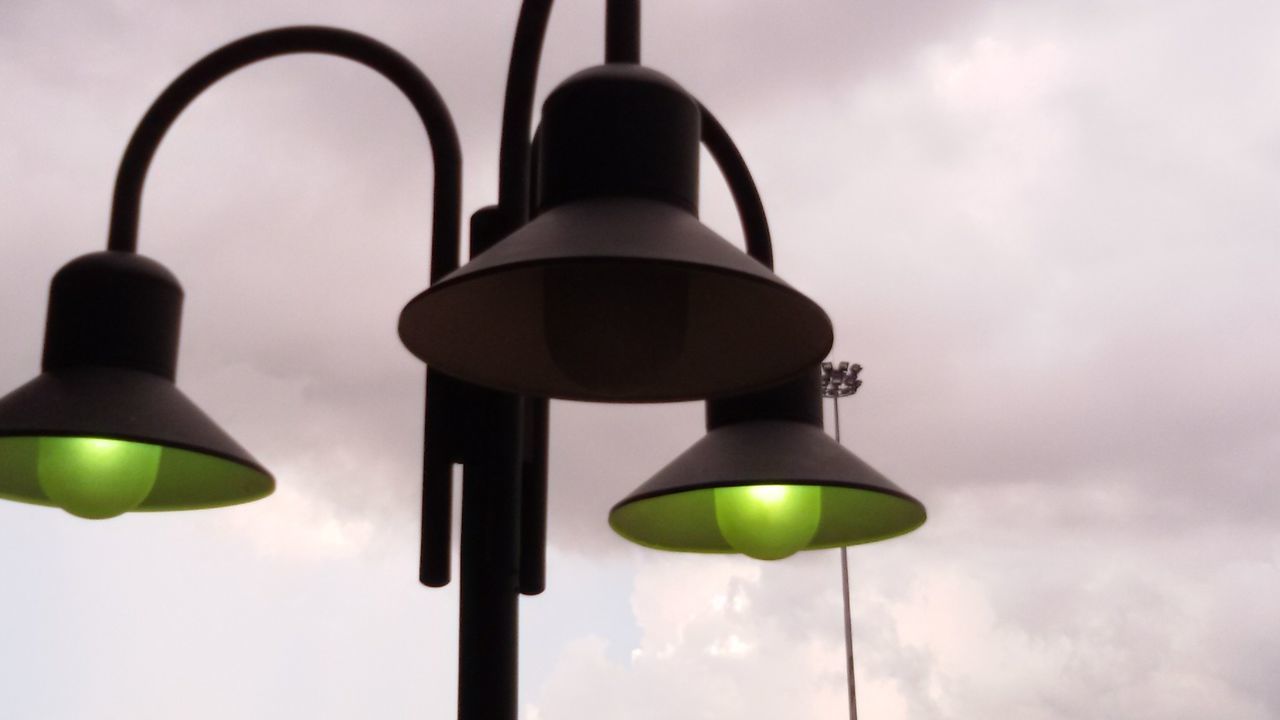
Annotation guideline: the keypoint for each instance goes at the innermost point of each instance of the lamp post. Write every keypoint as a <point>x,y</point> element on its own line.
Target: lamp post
<point>591,279</point>
<point>840,381</point>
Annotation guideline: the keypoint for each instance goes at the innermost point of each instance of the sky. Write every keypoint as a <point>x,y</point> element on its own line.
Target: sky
<point>1047,229</point>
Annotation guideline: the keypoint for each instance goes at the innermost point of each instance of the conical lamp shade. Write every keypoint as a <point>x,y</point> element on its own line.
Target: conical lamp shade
<point>676,509</point>
<point>104,430</point>
<point>766,487</point>
<point>55,422</point>
<point>616,292</point>
<point>617,299</point>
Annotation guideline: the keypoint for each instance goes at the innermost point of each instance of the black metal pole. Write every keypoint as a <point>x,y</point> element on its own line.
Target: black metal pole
<point>517,110</point>
<point>446,403</point>
<point>842,381</point>
<point>622,31</point>
<point>533,496</point>
<point>848,635</point>
<point>848,607</point>
<point>488,623</point>
<point>493,459</point>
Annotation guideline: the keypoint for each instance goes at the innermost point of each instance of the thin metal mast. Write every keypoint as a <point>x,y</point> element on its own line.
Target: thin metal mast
<point>839,381</point>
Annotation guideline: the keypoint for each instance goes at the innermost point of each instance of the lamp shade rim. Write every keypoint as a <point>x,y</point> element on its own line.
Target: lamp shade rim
<point>679,507</point>
<point>653,544</point>
<point>766,452</point>
<point>247,462</point>
<point>509,382</point>
<point>200,466</point>
<point>451,281</point>
<point>551,236</point>
<point>616,300</point>
<point>639,495</point>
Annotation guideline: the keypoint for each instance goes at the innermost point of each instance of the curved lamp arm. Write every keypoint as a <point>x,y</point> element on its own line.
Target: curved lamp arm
<point>445,151</point>
<point>517,111</point>
<point>746,197</point>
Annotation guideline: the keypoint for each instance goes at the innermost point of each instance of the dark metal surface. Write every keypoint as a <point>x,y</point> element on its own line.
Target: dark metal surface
<point>615,292</point>
<point>494,472</point>
<point>794,401</point>
<point>533,497</point>
<point>111,344</point>
<point>517,109</point>
<point>746,197</point>
<point>619,130</point>
<point>488,630</point>
<point>447,437</point>
<point>842,381</point>
<point>113,309</point>
<point>509,455</point>
<point>622,31</point>
<point>848,634</point>
<point>443,436</point>
<point>452,437</point>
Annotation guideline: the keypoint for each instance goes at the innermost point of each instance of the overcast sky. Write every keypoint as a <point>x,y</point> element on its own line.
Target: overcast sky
<point>1048,229</point>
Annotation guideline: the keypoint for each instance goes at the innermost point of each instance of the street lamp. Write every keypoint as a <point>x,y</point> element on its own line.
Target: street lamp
<point>766,481</point>
<point>591,279</point>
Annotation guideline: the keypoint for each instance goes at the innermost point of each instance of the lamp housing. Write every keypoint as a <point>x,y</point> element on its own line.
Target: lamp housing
<point>107,393</point>
<point>615,291</point>
<point>771,441</point>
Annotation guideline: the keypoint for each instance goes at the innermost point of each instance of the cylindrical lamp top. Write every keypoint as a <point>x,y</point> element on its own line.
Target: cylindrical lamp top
<point>114,309</point>
<point>620,130</point>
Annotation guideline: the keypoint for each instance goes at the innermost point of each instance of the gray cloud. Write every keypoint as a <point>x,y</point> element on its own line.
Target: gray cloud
<point>1047,229</point>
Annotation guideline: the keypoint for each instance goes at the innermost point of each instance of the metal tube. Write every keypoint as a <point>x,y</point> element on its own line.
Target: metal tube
<point>746,196</point>
<point>517,110</point>
<point>488,623</point>
<point>848,635</point>
<point>848,611</point>
<point>441,449</point>
<point>622,32</point>
<point>493,457</point>
<point>533,497</point>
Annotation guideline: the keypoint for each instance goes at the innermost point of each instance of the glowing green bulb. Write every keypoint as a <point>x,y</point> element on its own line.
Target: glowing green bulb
<point>768,522</point>
<point>96,478</point>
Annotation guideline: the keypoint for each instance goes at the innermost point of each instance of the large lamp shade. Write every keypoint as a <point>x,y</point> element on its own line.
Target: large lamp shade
<point>616,291</point>
<point>766,481</point>
<point>104,430</point>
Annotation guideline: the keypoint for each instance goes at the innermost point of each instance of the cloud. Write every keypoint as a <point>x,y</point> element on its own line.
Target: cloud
<point>1046,229</point>
<point>949,624</point>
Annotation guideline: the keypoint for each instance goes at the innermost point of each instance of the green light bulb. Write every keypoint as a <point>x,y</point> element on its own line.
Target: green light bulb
<point>768,522</point>
<point>96,478</point>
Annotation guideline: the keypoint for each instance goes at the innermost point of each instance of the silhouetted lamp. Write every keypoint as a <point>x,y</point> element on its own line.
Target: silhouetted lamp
<point>616,291</point>
<point>766,481</point>
<point>104,430</point>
